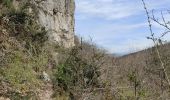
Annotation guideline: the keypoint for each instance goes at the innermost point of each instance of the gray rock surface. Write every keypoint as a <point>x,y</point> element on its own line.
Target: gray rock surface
<point>57,16</point>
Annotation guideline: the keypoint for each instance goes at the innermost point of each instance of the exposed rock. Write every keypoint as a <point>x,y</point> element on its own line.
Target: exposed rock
<point>45,76</point>
<point>57,16</point>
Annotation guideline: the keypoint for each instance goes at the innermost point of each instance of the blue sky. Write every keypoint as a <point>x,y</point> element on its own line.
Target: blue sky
<point>119,26</point>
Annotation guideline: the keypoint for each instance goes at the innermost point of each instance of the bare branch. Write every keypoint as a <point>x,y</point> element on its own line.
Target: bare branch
<point>153,39</point>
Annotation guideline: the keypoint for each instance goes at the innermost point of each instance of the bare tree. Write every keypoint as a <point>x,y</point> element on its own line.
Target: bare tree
<point>157,41</point>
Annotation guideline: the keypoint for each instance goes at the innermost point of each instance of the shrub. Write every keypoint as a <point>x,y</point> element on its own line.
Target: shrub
<point>78,69</point>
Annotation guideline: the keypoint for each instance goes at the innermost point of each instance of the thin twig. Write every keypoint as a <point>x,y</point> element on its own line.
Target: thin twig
<point>164,24</point>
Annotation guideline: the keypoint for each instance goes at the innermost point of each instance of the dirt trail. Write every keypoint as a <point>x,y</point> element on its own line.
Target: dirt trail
<point>47,92</point>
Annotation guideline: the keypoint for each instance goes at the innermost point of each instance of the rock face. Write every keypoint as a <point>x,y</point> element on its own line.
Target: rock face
<point>57,16</point>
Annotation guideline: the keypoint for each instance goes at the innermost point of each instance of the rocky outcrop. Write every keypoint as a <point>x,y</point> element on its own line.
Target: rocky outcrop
<point>56,16</point>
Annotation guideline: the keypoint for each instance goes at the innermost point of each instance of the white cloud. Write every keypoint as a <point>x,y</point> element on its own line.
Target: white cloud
<point>130,46</point>
<point>120,22</point>
<point>103,32</point>
<point>108,9</point>
<point>115,9</point>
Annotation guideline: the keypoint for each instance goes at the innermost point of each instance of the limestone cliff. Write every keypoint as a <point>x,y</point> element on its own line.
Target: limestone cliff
<point>56,16</point>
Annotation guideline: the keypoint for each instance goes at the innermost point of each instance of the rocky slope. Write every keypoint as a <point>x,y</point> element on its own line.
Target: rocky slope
<point>24,25</point>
